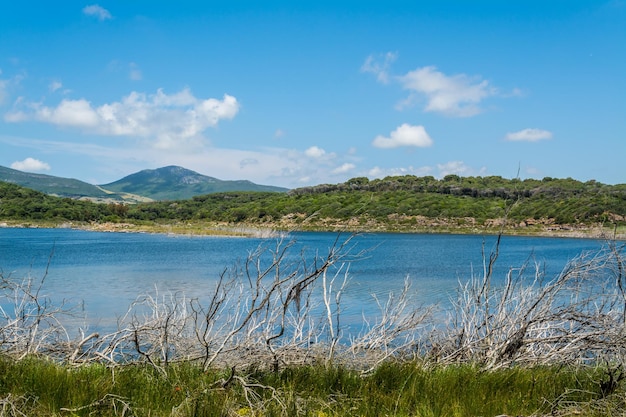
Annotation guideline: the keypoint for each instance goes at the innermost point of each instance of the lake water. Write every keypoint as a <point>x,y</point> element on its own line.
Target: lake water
<point>105,272</point>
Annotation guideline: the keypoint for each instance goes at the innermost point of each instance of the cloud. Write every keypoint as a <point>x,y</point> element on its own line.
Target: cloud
<point>315,152</point>
<point>378,172</point>
<point>277,166</point>
<point>458,168</point>
<point>344,168</point>
<point>381,69</point>
<point>456,95</point>
<point>55,85</point>
<point>166,121</point>
<point>76,113</point>
<point>404,135</point>
<point>529,135</point>
<point>31,165</point>
<point>97,11</point>
<point>269,165</point>
<point>279,133</point>
<point>439,171</point>
<point>6,84</point>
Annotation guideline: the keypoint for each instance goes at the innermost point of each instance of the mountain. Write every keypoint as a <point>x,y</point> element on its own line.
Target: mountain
<point>178,183</point>
<point>168,183</point>
<point>62,187</point>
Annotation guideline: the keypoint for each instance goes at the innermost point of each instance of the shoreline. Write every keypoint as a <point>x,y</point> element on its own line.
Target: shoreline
<point>244,230</point>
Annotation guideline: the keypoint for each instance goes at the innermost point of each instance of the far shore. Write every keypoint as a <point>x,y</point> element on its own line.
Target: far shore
<point>275,230</point>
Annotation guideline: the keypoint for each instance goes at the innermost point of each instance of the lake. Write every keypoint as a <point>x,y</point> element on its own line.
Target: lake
<point>104,273</point>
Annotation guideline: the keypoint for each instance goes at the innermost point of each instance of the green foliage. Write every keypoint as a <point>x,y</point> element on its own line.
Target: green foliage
<point>565,201</point>
<point>177,183</point>
<point>64,187</point>
<point>393,202</point>
<point>19,203</point>
<point>37,387</point>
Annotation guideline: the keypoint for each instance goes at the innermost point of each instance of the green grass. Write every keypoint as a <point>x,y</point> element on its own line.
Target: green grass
<point>37,387</point>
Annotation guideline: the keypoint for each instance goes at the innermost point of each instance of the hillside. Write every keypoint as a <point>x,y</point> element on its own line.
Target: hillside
<point>407,203</point>
<point>63,187</point>
<point>168,183</point>
<point>177,183</point>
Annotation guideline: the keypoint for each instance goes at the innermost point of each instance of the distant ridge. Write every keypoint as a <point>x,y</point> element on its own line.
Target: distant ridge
<point>58,186</point>
<point>168,183</point>
<point>178,183</point>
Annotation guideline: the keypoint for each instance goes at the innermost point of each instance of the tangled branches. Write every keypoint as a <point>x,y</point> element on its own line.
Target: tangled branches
<point>574,317</point>
<point>279,308</point>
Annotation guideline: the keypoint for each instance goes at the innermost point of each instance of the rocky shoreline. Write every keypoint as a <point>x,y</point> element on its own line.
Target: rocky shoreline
<point>275,229</point>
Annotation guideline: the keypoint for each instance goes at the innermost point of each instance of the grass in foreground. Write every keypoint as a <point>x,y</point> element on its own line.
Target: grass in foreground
<point>36,387</point>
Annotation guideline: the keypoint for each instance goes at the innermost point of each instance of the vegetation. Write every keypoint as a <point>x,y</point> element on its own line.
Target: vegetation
<point>168,183</point>
<point>269,340</point>
<point>406,203</point>
<point>37,387</point>
<point>65,187</point>
<point>177,183</point>
<point>19,203</point>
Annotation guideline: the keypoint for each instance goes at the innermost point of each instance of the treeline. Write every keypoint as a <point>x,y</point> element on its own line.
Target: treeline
<point>562,201</point>
<point>565,201</point>
<point>20,203</point>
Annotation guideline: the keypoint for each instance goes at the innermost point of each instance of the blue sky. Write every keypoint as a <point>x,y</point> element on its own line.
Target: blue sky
<point>295,93</point>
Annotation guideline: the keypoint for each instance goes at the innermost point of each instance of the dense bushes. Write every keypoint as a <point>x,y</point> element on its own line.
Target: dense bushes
<point>19,203</point>
<point>563,201</point>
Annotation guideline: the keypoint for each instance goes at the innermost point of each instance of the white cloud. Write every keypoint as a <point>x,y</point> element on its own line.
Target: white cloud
<point>166,121</point>
<point>15,116</point>
<point>439,171</point>
<point>97,11</point>
<point>315,152</point>
<point>458,168</point>
<point>55,85</point>
<point>6,84</point>
<point>76,113</point>
<point>344,168</point>
<point>279,133</point>
<point>378,172</point>
<point>381,69</point>
<point>275,166</point>
<point>404,135</point>
<point>456,95</point>
<point>31,165</point>
<point>529,135</point>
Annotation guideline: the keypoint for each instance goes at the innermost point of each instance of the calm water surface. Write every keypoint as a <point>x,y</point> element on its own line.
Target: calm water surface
<point>105,272</point>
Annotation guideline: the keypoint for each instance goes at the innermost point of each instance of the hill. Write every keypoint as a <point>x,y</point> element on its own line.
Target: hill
<point>411,204</point>
<point>168,183</point>
<point>58,186</point>
<point>178,183</point>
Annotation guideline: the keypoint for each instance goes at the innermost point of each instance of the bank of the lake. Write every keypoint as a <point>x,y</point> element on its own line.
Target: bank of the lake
<point>272,229</point>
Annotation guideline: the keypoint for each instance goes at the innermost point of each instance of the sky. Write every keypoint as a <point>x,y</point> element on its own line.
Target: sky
<point>295,93</point>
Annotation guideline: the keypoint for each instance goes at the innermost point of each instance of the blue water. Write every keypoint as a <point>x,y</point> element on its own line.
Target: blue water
<point>104,273</point>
